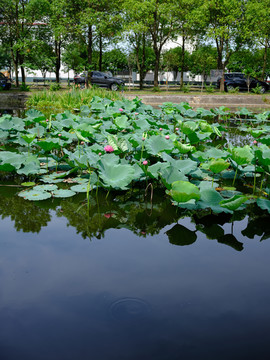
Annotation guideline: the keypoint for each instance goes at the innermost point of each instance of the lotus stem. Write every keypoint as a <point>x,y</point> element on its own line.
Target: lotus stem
<point>235,176</point>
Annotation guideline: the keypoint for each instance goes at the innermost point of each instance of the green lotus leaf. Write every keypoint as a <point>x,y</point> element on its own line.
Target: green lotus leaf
<point>82,187</point>
<point>184,148</point>
<point>35,115</point>
<point>116,176</point>
<point>183,191</point>
<point>48,145</point>
<point>218,165</point>
<point>170,174</point>
<point>29,183</point>
<point>189,127</point>
<point>264,204</point>
<point>263,155</point>
<point>157,144</point>
<point>121,122</point>
<point>233,203</point>
<point>141,124</point>
<point>265,140</point>
<point>28,138</point>
<point>185,166</point>
<point>11,159</point>
<point>35,195</point>
<point>242,156</point>
<point>205,127</point>
<point>42,188</point>
<point>63,193</point>
<point>154,170</point>
<point>216,153</point>
<point>210,198</point>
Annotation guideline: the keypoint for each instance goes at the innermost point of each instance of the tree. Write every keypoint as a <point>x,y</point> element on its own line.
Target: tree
<point>223,20</point>
<point>258,26</point>
<point>18,18</point>
<point>202,61</point>
<point>172,60</point>
<point>159,18</point>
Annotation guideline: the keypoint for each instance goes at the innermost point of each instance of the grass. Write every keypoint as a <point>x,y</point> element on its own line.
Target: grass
<point>71,99</point>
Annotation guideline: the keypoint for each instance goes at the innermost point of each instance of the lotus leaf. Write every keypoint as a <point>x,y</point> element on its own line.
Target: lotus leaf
<point>233,203</point>
<point>183,191</point>
<point>264,204</point>
<point>218,165</point>
<point>34,195</point>
<point>63,193</point>
<point>157,144</point>
<point>188,127</point>
<point>116,176</point>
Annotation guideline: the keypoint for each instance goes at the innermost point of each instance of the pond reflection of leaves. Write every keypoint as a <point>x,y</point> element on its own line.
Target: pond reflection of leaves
<point>131,211</point>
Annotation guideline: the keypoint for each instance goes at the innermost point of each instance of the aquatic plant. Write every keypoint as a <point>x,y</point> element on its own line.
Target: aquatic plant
<point>121,144</point>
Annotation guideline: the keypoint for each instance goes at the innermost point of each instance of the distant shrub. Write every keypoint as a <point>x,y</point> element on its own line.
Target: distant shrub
<point>55,87</point>
<point>24,87</point>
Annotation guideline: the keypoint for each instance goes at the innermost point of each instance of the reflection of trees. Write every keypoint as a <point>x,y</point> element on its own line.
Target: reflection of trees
<point>27,216</point>
<point>128,211</point>
<point>132,211</point>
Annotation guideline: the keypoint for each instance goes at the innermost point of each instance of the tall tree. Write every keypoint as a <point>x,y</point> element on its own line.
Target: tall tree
<point>159,18</point>
<point>17,20</point>
<point>223,20</point>
<point>258,27</point>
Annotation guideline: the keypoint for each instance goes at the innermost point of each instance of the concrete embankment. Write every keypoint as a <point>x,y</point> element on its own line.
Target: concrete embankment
<point>12,101</point>
<point>257,103</point>
<point>233,102</point>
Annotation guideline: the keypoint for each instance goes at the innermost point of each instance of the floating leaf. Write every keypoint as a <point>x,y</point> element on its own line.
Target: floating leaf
<point>62,193</point>
<point>35,195</point>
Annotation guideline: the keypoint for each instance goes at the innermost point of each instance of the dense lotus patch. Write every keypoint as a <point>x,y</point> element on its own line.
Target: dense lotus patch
<point>122,145</point>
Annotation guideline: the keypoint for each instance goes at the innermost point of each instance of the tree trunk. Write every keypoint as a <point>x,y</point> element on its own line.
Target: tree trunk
<point>57,48</point>
<point>23,75</point>
<point>100,53</point>
<point>182,63</point>
<point>89,55</point>
<point>264,58</point>
<point>142,67</point>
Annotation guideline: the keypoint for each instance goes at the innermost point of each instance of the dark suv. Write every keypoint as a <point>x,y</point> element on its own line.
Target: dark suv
<point>5,82</point>
<point>100,79</point>
<point>239,80</point>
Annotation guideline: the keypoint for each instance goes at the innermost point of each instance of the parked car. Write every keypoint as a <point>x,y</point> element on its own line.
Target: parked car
<point>100,79</point>
<point>234,80</point>
<point>5,82</point>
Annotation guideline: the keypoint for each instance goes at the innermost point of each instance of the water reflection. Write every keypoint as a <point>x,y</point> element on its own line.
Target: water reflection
<point>133,212</point>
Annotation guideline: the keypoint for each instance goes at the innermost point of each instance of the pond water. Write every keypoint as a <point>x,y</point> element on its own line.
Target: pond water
<point>131,280</point>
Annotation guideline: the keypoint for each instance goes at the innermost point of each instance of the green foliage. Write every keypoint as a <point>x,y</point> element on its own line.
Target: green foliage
<point>24,87</point>
<point>119,144</point>
<point>55,87</point>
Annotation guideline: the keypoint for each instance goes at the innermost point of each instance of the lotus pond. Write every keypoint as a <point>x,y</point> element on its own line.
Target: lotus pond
<point>135,233</point>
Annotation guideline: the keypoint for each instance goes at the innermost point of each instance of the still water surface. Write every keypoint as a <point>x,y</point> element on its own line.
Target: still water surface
<point>132,295</point>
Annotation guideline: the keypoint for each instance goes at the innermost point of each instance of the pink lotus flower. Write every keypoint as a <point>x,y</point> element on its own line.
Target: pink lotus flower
<point>160,129</point>
<point>47,120</point>
<point>255,142</point>
<point>176,129</point>
<point>82,142</point>
<point>120,109</point>
<point>108,148</point>
<point>59,134</point>
<point>167,137</point>
<point>143,138</point>
<point>99,154</point>
<point>145,162</point>
<point>136,113</point>
<point>108,215</point>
